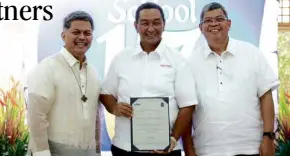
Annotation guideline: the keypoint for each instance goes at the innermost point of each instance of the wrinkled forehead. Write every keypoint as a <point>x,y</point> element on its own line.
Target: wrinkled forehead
<point>213,13</point>
<point>150,15</point>
<point>81,25</point>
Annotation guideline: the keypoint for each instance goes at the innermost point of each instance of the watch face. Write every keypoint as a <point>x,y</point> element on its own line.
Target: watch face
<point>271,135</point>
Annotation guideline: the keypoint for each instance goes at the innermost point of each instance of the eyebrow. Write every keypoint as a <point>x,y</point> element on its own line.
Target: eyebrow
<point>146,20</point>
<point>215,17</point>
<point>81,30</point>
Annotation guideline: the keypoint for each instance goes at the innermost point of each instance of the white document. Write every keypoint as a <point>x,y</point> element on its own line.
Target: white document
<point>150,124</point>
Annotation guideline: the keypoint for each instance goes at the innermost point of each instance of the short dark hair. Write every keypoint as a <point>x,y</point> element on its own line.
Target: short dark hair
<point>149,5</point>
<point>77,15</point>
<point>212,6</point>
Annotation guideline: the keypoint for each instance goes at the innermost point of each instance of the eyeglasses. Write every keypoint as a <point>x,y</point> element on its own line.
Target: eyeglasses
<point>218,19</point>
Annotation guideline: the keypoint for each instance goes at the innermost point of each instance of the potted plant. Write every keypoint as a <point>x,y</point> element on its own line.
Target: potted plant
<point>13,130</point>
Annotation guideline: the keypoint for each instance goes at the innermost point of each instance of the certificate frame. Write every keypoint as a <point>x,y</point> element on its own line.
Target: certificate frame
<point>134,147</point>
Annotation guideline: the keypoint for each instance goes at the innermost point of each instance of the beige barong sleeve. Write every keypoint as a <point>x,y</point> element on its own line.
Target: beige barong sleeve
<point>40,97</point>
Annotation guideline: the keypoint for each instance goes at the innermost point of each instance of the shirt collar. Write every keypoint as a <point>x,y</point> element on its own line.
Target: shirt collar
<point>159,50</point>
<point>69,57</point>
<point>230,48</point>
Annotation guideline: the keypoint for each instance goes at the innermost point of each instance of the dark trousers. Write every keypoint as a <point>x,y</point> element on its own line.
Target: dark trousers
<point>119,152</point>
<point>248,155</point>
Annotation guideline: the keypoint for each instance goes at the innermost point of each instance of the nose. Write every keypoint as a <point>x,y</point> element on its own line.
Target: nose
<point>82,36</point>
<point>214,23</point>
<point>150,28</point>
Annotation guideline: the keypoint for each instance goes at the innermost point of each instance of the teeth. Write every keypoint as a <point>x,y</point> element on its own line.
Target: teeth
<point>80,44</point>
<point>215,30</point>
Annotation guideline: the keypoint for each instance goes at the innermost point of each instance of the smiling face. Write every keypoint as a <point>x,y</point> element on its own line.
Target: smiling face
<point>150,26</point>
<point>78,37</point>
<point>215,26</point>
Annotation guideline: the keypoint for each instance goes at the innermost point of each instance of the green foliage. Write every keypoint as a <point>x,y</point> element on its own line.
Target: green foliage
<point>284,60</point>
<point>283,139</point>
<point>13,130</point>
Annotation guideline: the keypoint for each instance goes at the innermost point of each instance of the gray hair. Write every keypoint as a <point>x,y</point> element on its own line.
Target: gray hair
<point>77,15</point>
<point>212,6</point>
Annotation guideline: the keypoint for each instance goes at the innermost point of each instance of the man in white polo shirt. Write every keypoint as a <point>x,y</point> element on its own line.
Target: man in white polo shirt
<point>151,69</point>
<point>235,115</point>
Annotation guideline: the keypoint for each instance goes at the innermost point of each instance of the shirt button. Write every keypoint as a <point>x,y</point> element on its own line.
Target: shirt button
<point>221,83</point>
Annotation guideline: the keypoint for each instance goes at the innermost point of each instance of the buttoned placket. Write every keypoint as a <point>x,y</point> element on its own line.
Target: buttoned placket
<point>148,60</point>
<point>82,76</point>
<point>82,80</point>
<point>220,72</point>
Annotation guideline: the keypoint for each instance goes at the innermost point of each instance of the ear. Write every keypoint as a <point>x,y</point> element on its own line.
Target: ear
<point>229,23</point>
<point>200,28</point>
<point>163,28</point>
<point>63,35</point>
<point>136,26</point>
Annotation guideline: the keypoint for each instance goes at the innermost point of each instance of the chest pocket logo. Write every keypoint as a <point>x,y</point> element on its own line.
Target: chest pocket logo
<point>165,73</point>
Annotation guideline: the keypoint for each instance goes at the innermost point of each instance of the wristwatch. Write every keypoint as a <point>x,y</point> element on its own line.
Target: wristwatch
<point>271,135</point>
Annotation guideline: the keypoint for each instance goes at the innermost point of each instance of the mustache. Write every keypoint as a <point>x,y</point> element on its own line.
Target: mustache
<point>214,28</point>
<point>85,43</point>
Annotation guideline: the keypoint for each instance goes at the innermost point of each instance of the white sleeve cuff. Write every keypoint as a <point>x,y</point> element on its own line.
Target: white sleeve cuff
<point>42,153</point>
<point>272,87</point>
<point>106,92</point>
<point>188,103</point>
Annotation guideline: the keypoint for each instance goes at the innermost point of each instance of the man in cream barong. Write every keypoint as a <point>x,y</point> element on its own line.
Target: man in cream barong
<point>63,94</point>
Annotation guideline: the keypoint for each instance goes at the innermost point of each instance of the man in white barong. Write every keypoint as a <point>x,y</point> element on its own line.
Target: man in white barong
<point>63,94</point>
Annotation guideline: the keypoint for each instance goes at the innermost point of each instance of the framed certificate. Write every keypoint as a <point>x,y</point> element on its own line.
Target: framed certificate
<point>150,129</point>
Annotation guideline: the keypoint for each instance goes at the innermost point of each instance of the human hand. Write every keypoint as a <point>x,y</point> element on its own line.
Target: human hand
<point>267,147</point>
<point>173,143</point>
<point>123,109</point>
